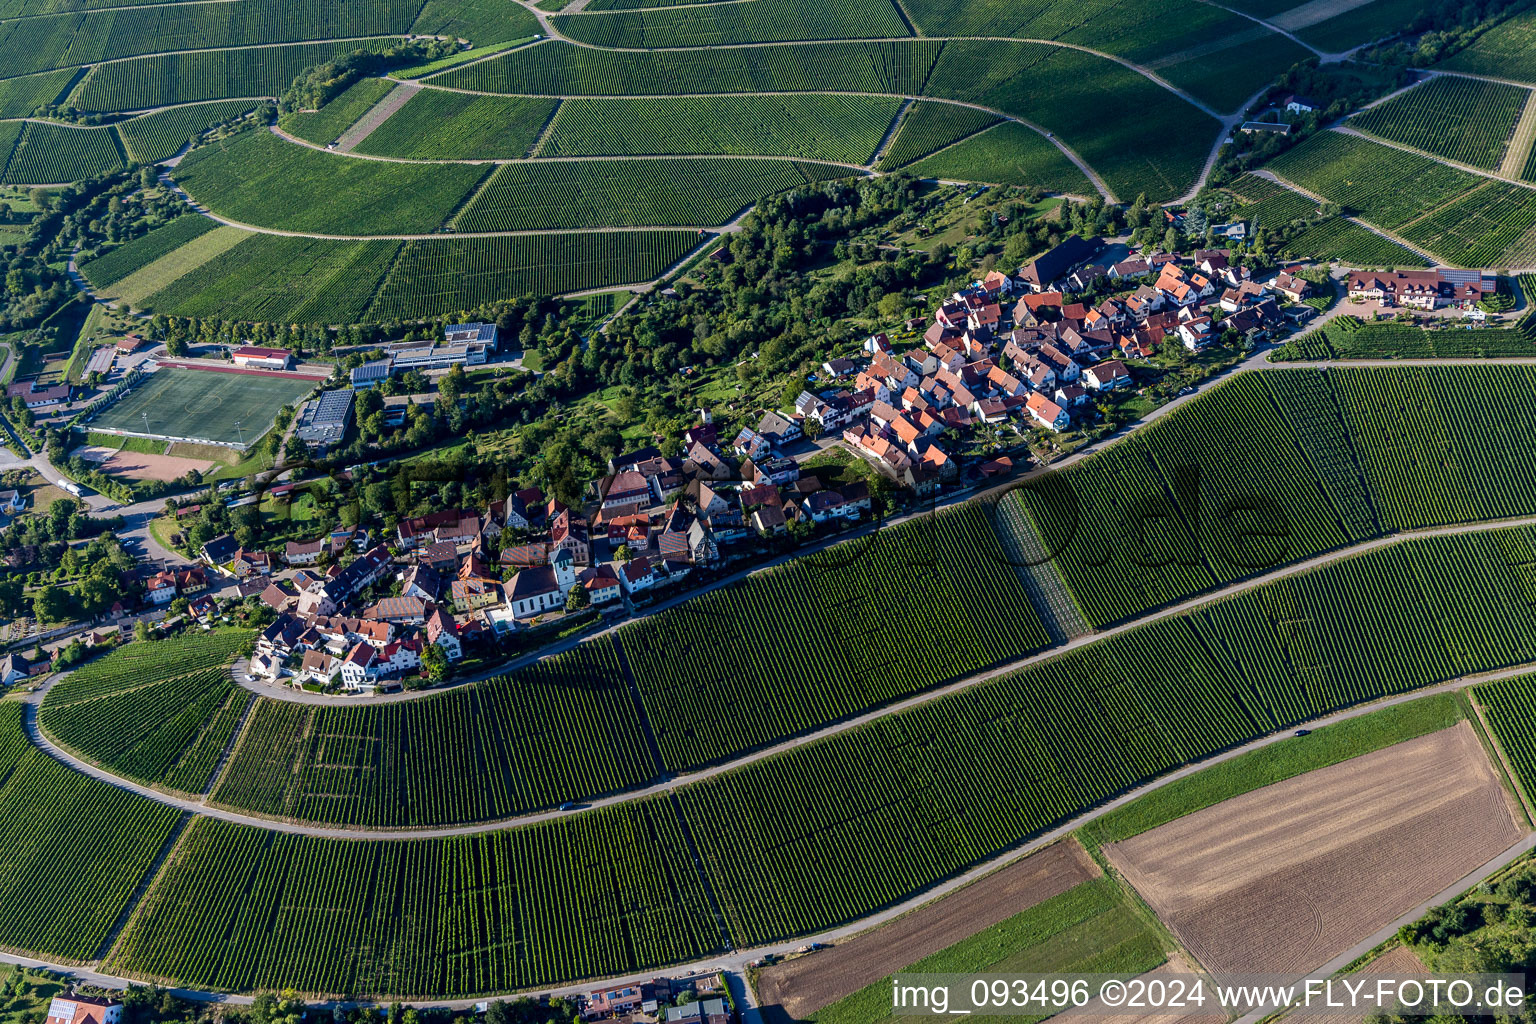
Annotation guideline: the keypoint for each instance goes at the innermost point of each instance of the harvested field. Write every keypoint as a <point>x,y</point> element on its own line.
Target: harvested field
<point>139,465</point>
<point>1284,878</point>
<point>804,986</point>
<point>1093,1012</point>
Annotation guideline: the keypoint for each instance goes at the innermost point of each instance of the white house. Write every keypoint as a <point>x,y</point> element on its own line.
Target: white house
<point>539,588</point>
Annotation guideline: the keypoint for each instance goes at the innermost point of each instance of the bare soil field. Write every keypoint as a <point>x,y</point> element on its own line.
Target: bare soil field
<point>1284,878</point>
<point>1093,1012</point>
<point>805,985</point>
<point>139,466</point>
<point>1397,962</point>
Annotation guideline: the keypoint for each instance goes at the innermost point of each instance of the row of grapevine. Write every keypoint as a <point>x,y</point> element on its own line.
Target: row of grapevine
<point>1506,50</point>
<point>19,97</point>
<point>1463,119</point>
<point>1348,242</point>
<point>147,731</point>
<point>840,128</point>
<point>239,908</point>
<point>1509,705</point>
<point>563,729</point>
<point>75,848</point>
<point>828,636</point>
<point>1346,337</point>
<point>1308,404</point>
<point>559,68</point>
<point>1269,205</point>
<point>619,193</point>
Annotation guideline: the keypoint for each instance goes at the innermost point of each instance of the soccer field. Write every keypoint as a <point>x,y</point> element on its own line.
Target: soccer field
<point>203,405</point>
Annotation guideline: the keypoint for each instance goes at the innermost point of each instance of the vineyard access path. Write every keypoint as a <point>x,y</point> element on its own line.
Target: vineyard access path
<point>1269,175</point>
<point>671,783</point>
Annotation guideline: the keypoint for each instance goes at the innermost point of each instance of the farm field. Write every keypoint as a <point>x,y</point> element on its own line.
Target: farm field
<point>1009,154</point>
<point>1286,877</point>
<point>145,278</point>
<point>203,405</point>
<point>1494,225</point>
<point>139,664</point>
<point>565,729</point>
<point>207,923</point>
<point>1360,25</point>
<point>764,21</point>
<point>1356,246</point>
<point>48,868</point>
<point>623,193</point>
<point>1461,119</point>
<point>52,154</point>
<point>19,97</point>
<point>803,986</point>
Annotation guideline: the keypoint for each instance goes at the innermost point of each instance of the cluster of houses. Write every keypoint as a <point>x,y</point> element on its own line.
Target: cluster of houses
<point>1024,347</point>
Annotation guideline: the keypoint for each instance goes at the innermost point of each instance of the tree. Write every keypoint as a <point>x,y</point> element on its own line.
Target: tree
<point>296,450</point>
<point>51,605</point>
<point>577,599</point>
<point>434,664</point>
<point>623,554</point>
<point>141,630</point>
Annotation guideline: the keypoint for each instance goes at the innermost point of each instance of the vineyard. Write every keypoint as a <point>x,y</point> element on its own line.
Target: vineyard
<point>762,21</point>
<point>140,663</point>
<point>815,640</point>
<point>841,128</point>
<point>259,179</point>
<point>1269,205</point>
<point>160,136</point>
<point>19,97</point>
<point>557,68</point>
<point>60,895</point>
<point>116,264</point>
<point>1385,186</point>
<point>51,154</point>
<point>88,37</point>
<point>435,124</point>
<point>1461,119</point>
<point>564,729</point>
<point>206,75</point>
<point>1494,225</point>
<point>1009,154</point>
<point>1509,706</point>
<point>433,278</point>
<point>1346,337</point>
<point>601,193</point>
<point>1507,50</point>
<point>170,733</point>
<point>591,895</point>
<point>1356,246</point>
<point>280,279</point>
<point>929,126</point>
<point>323,126</point>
